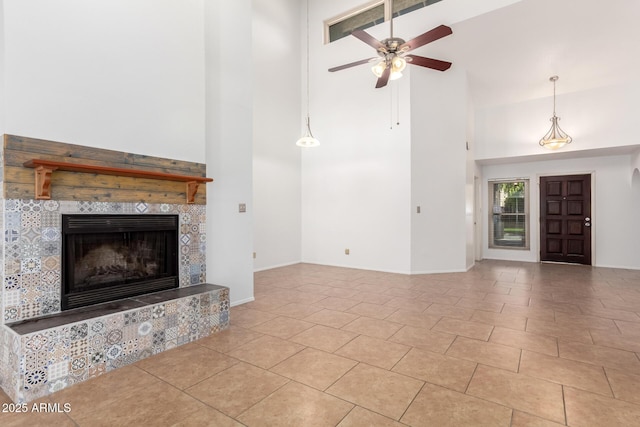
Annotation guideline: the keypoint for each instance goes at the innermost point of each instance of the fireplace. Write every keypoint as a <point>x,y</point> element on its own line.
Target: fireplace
<point>110,257</point>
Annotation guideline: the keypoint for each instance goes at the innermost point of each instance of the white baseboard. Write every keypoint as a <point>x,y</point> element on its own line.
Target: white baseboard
<point>276,266</point>
<point>242,301</point>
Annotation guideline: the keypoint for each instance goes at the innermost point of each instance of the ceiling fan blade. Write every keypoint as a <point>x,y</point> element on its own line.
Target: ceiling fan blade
<point>369,39</point>
<point>434,64</point>
<point>384,78</point>
<point>428,37</point>
<point>352,64</point>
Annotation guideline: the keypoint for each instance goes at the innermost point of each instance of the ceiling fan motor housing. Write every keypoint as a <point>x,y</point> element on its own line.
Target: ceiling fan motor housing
<point>390,45</point>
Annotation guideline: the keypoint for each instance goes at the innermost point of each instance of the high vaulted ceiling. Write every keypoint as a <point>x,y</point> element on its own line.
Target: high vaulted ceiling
<point>510,53</point>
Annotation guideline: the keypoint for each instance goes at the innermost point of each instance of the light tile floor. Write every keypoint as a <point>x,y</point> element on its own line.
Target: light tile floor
<point>505,344</point>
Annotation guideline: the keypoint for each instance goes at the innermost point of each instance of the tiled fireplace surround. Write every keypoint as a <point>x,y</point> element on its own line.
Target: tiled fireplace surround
<point>38,360</point>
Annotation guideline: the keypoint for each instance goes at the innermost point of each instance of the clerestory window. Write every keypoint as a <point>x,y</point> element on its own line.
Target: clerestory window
<point>368,15</point>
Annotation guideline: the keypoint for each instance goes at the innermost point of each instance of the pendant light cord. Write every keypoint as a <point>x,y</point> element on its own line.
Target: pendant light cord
<point>308,92</point>
<point>308,140</point>
<point>554,79</point>
<point>554,97</point>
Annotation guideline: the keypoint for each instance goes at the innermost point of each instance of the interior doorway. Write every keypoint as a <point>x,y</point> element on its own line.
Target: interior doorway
<point>565,219</point>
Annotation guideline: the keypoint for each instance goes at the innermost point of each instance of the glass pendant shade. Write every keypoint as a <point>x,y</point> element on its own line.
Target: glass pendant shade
<point>379,68</point>
<point>308,140</point>
<point>555,138</point>
<point>395,75</point>
<point>397,64</point>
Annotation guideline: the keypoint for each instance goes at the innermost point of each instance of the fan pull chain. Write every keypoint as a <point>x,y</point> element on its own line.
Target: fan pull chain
<point>398,108</point>
<point>391,107</point>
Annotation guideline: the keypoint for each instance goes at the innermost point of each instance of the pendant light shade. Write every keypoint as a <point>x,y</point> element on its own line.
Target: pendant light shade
<point>308,140</point>
<point>555,138</point>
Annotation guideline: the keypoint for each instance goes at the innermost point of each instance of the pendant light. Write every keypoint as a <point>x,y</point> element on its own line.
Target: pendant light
<point>556,137</point>
<point>308,140</point>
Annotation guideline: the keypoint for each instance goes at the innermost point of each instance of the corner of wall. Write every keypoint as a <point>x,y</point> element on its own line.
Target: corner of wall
<point>229,148</point>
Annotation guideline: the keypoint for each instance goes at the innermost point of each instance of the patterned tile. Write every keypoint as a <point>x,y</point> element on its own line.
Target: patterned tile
<point>37,364</point>
<point>33,243</point>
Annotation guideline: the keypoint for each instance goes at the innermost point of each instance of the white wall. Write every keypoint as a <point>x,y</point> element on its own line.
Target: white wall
<point>601,121</point>
<point>356,185</point>
<point>279,49</point>
<point>3,97</point>
<point>439,170</point>
<point>635,161</point>
<point>470,188</point>
<point>132,75</point>
<point>119,74</point>
<point>597,118</point>
<point>615,207</point>
<point>229,117</point>
<point>635,197</point>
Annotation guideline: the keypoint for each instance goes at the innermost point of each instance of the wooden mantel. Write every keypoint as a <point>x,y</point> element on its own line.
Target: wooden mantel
<point>44,169</point>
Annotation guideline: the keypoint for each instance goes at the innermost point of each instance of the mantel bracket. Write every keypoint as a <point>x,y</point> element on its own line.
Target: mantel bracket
<point>192,189</point>
<point>43,182</point>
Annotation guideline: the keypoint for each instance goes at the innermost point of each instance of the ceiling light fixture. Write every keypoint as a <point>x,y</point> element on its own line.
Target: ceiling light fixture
<point>556,137</point>
<point>308,140</point>
<point>391,58</point>
<point>397,64</point>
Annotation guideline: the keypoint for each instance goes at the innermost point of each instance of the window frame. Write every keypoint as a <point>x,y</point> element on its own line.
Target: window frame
<point>359,10</point>
<point>350,14</point>
<point>491,213</point>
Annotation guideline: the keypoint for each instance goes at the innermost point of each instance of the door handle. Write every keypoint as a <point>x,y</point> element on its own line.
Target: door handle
<point>587,222</point>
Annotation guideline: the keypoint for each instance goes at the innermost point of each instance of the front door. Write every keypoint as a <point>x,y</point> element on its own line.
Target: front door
<point>565,219</point>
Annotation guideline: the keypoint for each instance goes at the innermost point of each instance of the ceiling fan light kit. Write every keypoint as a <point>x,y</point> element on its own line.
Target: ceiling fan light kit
<point>392,53</point>
<point>555,138</point>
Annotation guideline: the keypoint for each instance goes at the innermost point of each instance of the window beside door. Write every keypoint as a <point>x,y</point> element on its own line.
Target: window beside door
<point>509,216</point>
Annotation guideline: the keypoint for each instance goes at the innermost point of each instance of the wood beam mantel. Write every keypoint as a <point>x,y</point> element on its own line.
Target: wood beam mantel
<point>45,168</point>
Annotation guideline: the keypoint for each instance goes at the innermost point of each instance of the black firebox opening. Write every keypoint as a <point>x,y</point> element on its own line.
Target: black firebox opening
<point>110,257</point>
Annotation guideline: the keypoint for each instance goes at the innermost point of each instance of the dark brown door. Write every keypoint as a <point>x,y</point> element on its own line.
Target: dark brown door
<point>565,219</point>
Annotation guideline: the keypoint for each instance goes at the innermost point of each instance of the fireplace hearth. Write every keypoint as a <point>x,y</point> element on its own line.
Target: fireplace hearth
<point>46,344</point>
<point>110,257</point>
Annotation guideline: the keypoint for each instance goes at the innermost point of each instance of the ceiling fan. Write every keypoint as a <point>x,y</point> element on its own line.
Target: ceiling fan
<point>392,53</point>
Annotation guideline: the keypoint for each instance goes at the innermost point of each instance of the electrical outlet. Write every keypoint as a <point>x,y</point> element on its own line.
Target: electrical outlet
<point>346,251</point>
<point>242,207</point>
